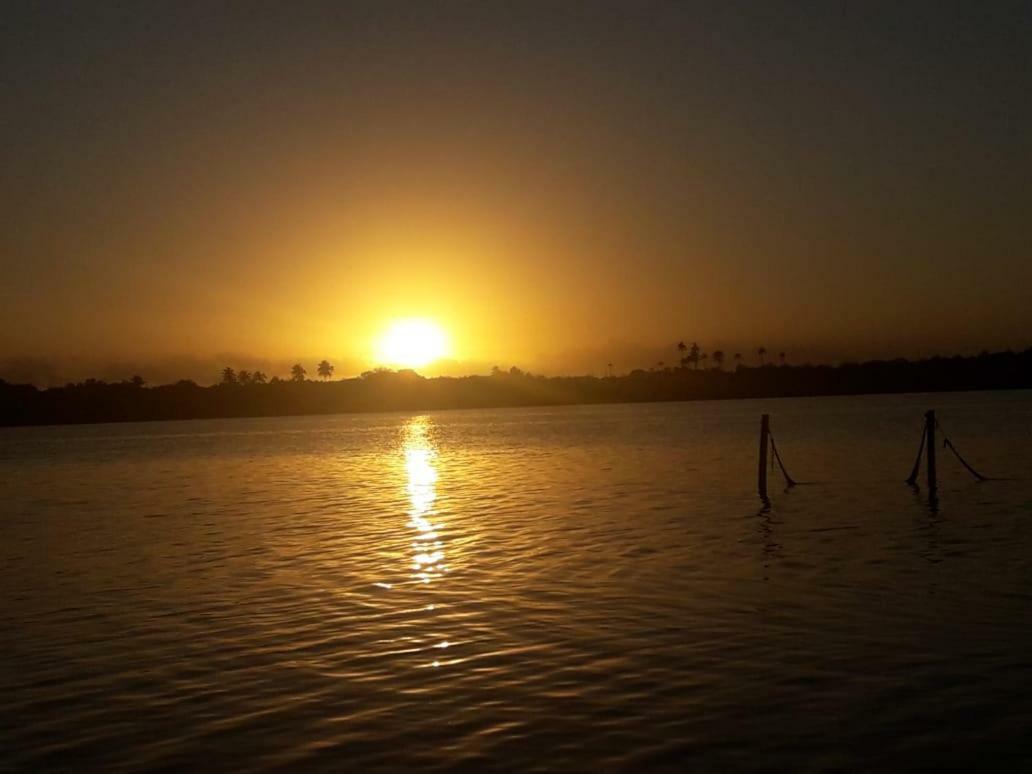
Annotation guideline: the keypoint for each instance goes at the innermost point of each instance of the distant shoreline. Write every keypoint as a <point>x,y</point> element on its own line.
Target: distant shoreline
<point>486,407</point>
<point>93,402</point>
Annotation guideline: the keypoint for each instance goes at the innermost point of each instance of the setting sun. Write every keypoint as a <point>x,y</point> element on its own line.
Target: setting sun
<point>411,343</point>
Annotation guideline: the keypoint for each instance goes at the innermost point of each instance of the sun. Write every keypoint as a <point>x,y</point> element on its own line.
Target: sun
<point>411,343</point>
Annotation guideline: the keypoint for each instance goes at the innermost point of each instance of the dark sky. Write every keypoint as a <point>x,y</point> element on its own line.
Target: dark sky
<point>557,184</point>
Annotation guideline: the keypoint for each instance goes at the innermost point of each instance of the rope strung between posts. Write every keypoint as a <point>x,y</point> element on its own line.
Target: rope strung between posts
<point>920,451</point>
<point>927,434</point>
<point>774,448</point>
<point>948,444</point>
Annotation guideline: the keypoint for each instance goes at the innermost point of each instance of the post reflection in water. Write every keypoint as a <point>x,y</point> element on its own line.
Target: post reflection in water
<point>428,549</point>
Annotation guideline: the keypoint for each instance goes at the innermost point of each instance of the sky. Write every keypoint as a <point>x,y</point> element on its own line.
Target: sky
<point>558,185</point>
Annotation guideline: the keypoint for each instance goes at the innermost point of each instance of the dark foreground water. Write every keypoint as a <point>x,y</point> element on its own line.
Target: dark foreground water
<point>567,588</point>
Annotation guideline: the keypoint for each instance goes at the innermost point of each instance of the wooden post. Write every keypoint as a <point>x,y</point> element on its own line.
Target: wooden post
<point>764,442</point>
<point>930,449</point>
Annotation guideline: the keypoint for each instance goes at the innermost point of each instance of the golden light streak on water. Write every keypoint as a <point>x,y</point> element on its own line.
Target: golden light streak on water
<point>428,549</point>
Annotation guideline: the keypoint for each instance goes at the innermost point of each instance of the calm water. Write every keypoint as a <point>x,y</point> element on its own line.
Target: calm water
<point>562,588</point>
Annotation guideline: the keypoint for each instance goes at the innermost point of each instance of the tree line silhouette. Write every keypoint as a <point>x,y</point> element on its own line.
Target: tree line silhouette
<point>692,356</point>
<point>695,377</point>
<point>297,374</point>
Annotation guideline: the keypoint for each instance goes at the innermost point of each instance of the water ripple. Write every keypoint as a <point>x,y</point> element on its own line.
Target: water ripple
<point>575,588</point>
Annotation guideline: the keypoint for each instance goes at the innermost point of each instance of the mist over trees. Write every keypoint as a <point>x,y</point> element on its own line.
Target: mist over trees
<point>251,393</point>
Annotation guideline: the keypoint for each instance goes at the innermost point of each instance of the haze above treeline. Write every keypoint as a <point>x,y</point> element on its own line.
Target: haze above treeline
<point>558,185</point>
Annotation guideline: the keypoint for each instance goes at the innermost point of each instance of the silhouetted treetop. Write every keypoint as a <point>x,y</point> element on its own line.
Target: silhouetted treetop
<point>93,400</point>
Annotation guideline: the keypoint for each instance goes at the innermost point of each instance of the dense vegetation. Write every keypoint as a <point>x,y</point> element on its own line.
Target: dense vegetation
<point>382,390</point>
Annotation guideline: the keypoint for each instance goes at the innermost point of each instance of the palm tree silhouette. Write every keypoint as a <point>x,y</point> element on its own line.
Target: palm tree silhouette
<point>693,355</point>
<point>258,378</point>
<point>325,370</point>
<point>682,348</point>
<point>244,377</point>
<point>229,376</point>
<point>718,359</point>
<point>297,373</point>
<point>762,352</point>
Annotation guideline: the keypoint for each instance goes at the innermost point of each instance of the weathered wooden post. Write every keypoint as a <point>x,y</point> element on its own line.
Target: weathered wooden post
<point>764,442</point>
<point>930,448</point>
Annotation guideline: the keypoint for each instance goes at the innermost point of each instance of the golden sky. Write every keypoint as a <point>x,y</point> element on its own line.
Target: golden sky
<point>557,185</point>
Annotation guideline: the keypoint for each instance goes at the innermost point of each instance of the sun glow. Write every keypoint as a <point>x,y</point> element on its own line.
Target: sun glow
<point>411,343</point>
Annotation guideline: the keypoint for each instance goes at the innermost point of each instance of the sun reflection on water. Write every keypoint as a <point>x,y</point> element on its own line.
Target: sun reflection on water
<point>420,455</point>
<point>428,555</point>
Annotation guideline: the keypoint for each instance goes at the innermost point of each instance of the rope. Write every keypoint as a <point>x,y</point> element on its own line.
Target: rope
<point>920,451</point>
<point>975,473</point>
<point>912,479</point>
<point>948,444</point>
<point>774,448</point>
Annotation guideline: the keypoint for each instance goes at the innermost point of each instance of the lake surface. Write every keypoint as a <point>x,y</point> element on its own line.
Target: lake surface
<point>592,587</point>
